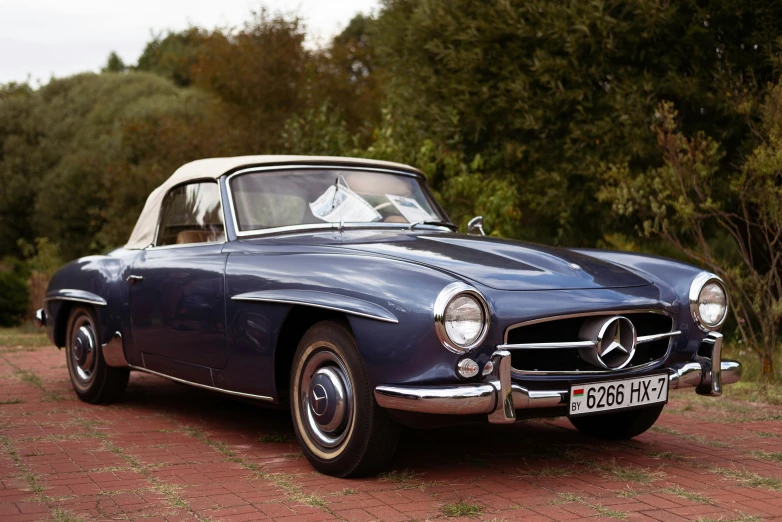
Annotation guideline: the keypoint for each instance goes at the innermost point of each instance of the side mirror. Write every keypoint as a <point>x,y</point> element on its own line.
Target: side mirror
<point>476,223</point>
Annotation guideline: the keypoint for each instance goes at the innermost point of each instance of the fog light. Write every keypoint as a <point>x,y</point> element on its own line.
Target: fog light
<point>467,368</point>
<point>488,368</point>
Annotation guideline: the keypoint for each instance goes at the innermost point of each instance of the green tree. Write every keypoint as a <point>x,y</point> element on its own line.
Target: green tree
<point>727,218</point>
<point>114,64</point>
<point>547,91</point>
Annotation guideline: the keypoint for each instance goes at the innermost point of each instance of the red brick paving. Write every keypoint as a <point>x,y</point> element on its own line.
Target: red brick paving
<point>169,452</point>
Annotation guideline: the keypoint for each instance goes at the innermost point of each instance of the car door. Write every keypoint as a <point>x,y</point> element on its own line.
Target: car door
<point>177,295</point>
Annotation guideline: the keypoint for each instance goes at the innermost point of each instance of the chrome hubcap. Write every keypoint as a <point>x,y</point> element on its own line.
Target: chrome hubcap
<point>83,349</point>
<point>326,399</point>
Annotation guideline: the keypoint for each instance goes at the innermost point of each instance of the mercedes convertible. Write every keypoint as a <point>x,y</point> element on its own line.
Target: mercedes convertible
<point>341,288</point>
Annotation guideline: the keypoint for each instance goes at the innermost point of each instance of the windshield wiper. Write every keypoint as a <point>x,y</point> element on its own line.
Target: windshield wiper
<point>434,222</point>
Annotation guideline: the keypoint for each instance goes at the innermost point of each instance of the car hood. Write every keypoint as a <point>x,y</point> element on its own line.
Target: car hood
<point>497,263</point>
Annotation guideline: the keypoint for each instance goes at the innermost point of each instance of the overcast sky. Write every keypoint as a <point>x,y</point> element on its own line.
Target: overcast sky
<point>41,38</point>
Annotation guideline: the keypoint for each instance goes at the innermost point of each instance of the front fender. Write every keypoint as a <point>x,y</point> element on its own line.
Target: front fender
<point>388,303</point>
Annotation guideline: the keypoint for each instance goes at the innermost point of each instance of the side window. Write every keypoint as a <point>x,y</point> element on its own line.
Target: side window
<point>191,213</point>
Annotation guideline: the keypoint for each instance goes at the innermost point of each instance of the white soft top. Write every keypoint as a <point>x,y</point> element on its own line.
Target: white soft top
<point>143,233</point>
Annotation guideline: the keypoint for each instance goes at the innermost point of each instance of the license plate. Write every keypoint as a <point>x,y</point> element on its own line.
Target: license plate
<point>615,395</point>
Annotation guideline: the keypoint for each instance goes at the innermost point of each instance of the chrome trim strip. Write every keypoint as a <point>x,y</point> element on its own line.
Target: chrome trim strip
<point>543,346</point>
<point>78,296</point>
<point>523,373</point>
<point>445,296</point>
<point>114,353</point>
<point>584,344</point>
<point>312,226</point>
<point>657,337</point>
<point>701,280</point>
<point>585,314</point>
<point>310,299</point>
<point>204,386</point>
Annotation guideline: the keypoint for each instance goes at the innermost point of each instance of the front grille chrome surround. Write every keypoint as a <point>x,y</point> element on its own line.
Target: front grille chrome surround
<point>570,347</point>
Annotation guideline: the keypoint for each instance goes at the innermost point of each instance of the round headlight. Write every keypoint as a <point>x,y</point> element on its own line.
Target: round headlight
<point>461,317</point>
<point>463,320</point>
<point>708,301</point>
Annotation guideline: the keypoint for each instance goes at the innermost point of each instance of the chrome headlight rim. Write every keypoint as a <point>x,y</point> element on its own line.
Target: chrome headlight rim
<point>696,287</point>
<point>448,294</point>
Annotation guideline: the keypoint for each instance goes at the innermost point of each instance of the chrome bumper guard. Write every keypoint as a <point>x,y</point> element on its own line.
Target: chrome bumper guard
<point>499,398</point>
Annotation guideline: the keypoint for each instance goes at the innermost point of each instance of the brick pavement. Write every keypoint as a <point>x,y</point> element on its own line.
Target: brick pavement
<point>169,452</point>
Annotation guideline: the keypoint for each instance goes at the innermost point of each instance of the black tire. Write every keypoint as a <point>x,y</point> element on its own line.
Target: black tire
<point>618,426</point>
<point>357,439</point>
<point>92,379</point>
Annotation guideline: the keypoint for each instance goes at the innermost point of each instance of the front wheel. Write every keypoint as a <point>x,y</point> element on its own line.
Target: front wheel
<point>93,380</point>
<point>341,429</point>
<point>618,426</point>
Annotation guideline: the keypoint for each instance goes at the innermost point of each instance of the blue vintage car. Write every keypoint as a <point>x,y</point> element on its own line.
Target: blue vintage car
<point>340,287</point>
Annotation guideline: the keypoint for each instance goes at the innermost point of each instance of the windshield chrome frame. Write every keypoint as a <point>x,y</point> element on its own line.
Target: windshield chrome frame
<point>325,225</point>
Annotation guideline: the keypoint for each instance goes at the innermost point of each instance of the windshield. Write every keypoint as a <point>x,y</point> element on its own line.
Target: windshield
<point>270,199</point>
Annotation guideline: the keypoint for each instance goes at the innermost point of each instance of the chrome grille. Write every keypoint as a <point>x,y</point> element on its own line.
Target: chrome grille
<point>551,345</point>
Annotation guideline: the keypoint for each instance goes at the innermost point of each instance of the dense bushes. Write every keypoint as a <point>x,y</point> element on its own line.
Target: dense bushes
<point>13,298</point>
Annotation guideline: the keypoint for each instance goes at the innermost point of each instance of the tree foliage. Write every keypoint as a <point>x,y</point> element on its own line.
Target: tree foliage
<point>524,111</point>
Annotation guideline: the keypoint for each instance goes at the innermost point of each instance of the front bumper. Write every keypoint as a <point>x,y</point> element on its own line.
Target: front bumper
<point>499,398</point>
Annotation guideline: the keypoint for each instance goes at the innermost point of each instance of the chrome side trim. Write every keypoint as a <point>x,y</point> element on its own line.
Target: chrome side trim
<point>657,337</point>
<point>696,286</point>
<point>527,346</point>
<point>78,296</point>
<point>114,353</point>
<point>325,300</point>
<point>204,386</point>
<point>445,296</point>
<point>295,228</point>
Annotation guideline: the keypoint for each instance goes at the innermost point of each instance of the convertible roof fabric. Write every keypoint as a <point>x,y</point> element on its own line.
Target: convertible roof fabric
<point>143,233</point>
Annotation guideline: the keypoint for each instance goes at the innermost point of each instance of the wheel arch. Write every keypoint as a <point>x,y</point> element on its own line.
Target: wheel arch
<point>300,318</point>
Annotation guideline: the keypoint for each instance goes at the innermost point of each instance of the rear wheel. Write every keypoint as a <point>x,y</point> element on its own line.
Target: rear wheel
<point>92,379</point>
<point>342,431</point>
<point>618,426</point>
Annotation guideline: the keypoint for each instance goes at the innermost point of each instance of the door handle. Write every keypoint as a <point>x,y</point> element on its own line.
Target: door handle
<point>133,279</point>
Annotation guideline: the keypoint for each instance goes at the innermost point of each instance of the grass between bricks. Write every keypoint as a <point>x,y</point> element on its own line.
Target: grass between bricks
<point>740,518</point>
<point>774,456</point>
<point>461,509</point>
<point>685,436</point>
<point>612,470</point>
<point>284,481</point>
<point>749,479</point>
<point>169,491</point>
<point>567,498</point>
<point>34,483</point>
<point>687,494</point>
